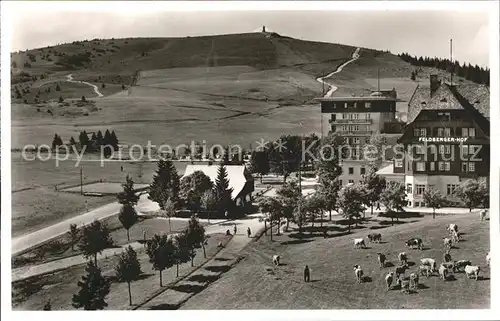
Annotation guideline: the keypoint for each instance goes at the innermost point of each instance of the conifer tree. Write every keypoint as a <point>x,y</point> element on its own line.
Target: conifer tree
<point>128,196</point>
<point>128,269</point>
<point>93,289</point>
<point>222,190</point>
<point>165,185</point>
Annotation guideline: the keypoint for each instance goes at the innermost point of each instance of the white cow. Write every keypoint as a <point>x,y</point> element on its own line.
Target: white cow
<point>388,279</point>
<point>447,242</point>
<point>276,260</point>
<point>429,262</point>
<point>425,269</point>
<point>359,243</point>
<point>403,257</point>
<point>443,272</point>
<point>482,215</point>
<point>472,270</point>
<point>358,273</point>
<point>488,259</point>
<point>452,227</point>
<point>414,281</point>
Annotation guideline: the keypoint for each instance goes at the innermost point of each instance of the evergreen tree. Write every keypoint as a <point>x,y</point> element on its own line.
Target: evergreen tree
<point>61,99</point>
<point>72,141</point>
<point>107,142</point>
<point>128,269</point>
<point>114,140</point>
<point>73,234</point>
<point>55,141</point>
<point>260,163</point>
<point>58,88</point>
<point>99,139</point>
<point>84,139</point>
<point>222,190</point>
<point>165,184</point>
<point>93,289</point>
<point>128,217</point>
<point>128,196</point>
<point>95,238</point>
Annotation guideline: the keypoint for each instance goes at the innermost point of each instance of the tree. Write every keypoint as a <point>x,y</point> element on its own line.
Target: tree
<point>222,190</point>
<point>128,217</point>
<point>350,203</point>
<point>182,252</point>
<point>73,234</point>
<point>84,139</point>
<point>103,85</point>
<point>95,238</point>
<point>471,193</point>
<point>195,234</point>
<point>84,99</point>
<point>315,205</point>
<point>161,251</point>
<point>72,141</point>
<point>330,193</point>
<point>128,196</point>
<point>259,163</point>
<point>394,198</point>
<point>58,88</point>
<point>413,76</point>
<point>99,139</point>
<point>373,185</point>
<point>47,306</point>
<point>106,141</point>
<point>93,289</point>
<point>61,99</point>
<point>273,209</point>
<point>165,184</point>
<point>329,168</point>
<point>114,140</point>
<point>433,198</point>
<point>128,269</point>
<point>56,142</point>
<point>300,213</point>
<point>192,188</point>
<point>209,202</point>
<point>288,195</point>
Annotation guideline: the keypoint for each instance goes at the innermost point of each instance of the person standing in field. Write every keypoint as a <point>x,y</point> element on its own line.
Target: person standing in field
<point>307,274</point>
<point>235,229</point>
<point>249,232</point>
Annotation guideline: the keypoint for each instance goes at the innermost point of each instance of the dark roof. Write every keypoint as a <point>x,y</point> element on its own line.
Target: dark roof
<point>448,97</point>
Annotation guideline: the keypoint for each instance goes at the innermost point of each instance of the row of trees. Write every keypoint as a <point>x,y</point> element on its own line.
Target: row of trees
<point>164,251</point>
<point>92,144</point>
<point>473,73</point>
<point>195,192</point>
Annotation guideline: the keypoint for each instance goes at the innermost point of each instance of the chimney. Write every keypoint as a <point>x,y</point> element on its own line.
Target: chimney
<point>435,83</point>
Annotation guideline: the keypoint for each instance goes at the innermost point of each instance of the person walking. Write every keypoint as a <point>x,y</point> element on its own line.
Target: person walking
<point>307,274</point>
<point>378,207</point>
<point>249,232</point>
<point>235,229</point>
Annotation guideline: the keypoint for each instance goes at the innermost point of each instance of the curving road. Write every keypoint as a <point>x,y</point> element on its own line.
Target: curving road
<point>333,88</point>
<point>96,89</point>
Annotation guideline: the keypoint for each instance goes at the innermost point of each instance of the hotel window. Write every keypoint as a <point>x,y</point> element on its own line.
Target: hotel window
<point>447,166</point>
<point>469,132</point>
<point>350,104</point>
<point>356,116</point>
<point>447,132</point>
<point>368,116</point>
<point>351,170</point>
<point>472,132</point>
<point>416,132</point>
<point>450,189</point>
<point>432,166</point>
<point>464,151</point>
<point>345,105</point>
<point>441,166</point>
<point>420,166</point>
<point>464,167</point>
<point>355,140</point>
<point>419,189</point>
<point>423,132</point>
<point>368,104</point>
<point>472,167</point>
<point>440,132</point>
<point>362,170</point>
<point>465,132</point>
<point>351,181</point>
<point>409,188</point>
<point>344,115</point>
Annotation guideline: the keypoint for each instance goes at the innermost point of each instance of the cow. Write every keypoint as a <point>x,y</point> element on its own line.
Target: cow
<point>443,272</point>
<point>388,280</point>
<point>425,269</point>
<point>455,237</point>
<point>447,242</point>
<point>450,266</point>
<point>359,243</point>
<point>414,280</point>
<point>276,260</point>
<point>447,256</point>
<point>482,215</point>
<point>381,259</point>
<point>411,243</point>
<point>460,265</point>
<point>404,284</point>
<point>403,258</point>
<point>429,262</point>
<point>358,273</point>
<point>488,259</point>
<point>375,237</point>
<point>400,270</point>
<point>472,270</point>
<point>452,227</point>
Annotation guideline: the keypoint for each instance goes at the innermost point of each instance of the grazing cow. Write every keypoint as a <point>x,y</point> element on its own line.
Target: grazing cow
<point>400,270</point>
<point>425,269</point>
<point>482,215</point>
<point>443,272</point>
<point>472,270</point>
<point>358,273</point>
<point>452,227</point>
<point>388,279</point>
<point>403,258</point>
<point>447,242</point>
<point>415,242</point>
<point>375,237</point>
<point>359,243</point>
<point>414,280</point>
<point>460,265</point>
<point>381,259</point>
<point>276,260</point>
<point>450,266</point>
<point>429,262</point>
<point>447,256</point>
<point>455,237</point>
<point>404,284</point>
<point>488,259</point>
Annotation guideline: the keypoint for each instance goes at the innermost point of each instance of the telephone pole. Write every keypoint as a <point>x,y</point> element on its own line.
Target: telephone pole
<point>81,180</point>
<point>451,61</point>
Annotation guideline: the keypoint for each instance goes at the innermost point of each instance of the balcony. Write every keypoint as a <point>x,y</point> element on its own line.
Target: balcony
<point>354,132</point>
<point>351,121</point>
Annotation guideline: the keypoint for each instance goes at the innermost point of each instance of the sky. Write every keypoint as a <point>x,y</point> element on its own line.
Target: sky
<point>416,32</point>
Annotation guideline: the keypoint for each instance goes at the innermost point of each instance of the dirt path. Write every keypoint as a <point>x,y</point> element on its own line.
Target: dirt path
<point>333,88</point>
<point>96,89</point>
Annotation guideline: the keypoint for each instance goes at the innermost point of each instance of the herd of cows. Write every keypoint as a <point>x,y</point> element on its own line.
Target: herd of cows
<point>428,266</point>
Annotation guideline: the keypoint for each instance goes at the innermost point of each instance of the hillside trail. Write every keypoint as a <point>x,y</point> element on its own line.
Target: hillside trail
<point>96,89</point>
<point>333,88</point>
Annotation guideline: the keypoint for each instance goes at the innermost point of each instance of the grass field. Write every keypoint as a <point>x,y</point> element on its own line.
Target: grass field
<point>103,188</point>
<point>60,247</point>
<point>333,286</point>
<point>33,293</point>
